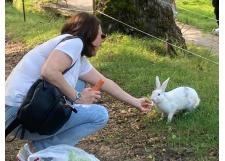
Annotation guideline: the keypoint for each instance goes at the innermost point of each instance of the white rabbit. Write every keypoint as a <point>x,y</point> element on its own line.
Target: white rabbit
<point>181,98</point>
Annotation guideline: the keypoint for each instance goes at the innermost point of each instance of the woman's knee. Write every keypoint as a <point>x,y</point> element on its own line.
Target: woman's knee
<point>102,114</point>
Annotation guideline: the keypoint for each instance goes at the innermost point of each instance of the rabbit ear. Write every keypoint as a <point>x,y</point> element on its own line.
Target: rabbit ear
<point>157,82</point>
<point>164,85</point>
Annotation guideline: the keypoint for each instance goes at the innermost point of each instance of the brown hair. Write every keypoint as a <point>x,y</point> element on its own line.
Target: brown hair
<point>86,27</point>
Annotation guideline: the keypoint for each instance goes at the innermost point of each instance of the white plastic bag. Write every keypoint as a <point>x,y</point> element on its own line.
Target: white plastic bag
<point>62,153</point>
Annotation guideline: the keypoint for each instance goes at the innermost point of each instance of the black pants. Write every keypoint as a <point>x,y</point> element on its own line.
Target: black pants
<point>215,4</point>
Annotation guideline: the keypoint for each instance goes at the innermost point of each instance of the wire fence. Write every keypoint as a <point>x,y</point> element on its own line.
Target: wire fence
<point>150,35</point>
<point>200,15</point>
<point>194,13</point>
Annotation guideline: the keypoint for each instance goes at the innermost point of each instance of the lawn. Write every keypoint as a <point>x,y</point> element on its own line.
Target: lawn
<point>133,63</point>
<point>198,13</point>
<point>37,28</point>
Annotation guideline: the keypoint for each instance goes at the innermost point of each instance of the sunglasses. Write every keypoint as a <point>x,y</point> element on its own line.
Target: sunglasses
<point>103,36</point>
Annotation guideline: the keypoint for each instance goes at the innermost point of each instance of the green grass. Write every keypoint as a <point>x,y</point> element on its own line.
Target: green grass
<point>37,28</point>
<point>199,8</point>
<point>133,63</point>
<point>30,5</point>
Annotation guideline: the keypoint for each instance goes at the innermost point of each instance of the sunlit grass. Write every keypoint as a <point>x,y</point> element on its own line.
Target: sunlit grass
<point>197,15</point>
<point>37,28</point>
<point>133,63</point>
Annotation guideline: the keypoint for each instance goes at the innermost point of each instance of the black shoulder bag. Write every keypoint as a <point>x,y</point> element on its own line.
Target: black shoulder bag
<point>44,110</point>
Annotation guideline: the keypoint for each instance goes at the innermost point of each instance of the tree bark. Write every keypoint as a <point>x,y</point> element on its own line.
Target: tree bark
<point>152,16</point>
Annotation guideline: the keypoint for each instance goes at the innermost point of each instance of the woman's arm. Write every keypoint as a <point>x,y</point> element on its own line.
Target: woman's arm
<point>113,89</point>
<point>52,70</point>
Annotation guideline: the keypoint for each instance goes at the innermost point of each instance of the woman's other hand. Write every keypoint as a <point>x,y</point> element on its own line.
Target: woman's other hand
<point>89,96</point>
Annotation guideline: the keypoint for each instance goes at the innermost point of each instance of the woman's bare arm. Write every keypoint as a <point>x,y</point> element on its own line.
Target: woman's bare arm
<point>52,70</point>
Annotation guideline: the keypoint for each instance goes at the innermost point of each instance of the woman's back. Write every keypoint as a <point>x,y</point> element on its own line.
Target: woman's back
<point>27,71</point>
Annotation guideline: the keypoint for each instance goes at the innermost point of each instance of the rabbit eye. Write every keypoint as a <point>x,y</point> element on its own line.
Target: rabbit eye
<point>158,94</point>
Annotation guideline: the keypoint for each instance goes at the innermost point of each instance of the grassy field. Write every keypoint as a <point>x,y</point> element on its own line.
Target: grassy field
<point>37,28</point>
<point>133,63</point>
<point>195,12</point>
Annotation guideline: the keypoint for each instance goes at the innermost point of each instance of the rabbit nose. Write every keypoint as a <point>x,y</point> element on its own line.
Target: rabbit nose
<point>152,103</point>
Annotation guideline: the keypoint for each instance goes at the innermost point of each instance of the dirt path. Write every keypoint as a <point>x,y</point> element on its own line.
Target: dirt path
<point>86,5</point>
<point>199,38</point>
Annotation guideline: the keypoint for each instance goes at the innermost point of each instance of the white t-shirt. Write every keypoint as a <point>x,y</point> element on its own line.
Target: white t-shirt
<point>28,70</point>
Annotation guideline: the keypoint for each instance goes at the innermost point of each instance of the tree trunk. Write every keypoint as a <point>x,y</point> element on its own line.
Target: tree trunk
<point>152,16</point>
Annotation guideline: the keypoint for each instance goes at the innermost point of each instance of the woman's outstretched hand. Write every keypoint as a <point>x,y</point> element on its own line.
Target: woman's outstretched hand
<point>144,105</point>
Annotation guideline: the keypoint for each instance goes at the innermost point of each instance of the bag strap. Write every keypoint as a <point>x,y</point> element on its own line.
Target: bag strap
<point>15,123</point>
<point>69,68</point>
<point>68,38</point>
